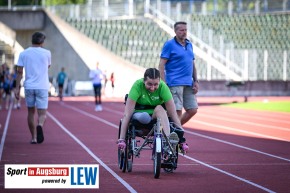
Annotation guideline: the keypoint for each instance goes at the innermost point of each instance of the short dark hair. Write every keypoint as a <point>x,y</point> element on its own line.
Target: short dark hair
<point>151,73</point>
<point>38,38</point>
<point>179,22</point>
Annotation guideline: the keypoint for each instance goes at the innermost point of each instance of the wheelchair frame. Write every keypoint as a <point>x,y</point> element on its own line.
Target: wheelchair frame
<point>164,154</point>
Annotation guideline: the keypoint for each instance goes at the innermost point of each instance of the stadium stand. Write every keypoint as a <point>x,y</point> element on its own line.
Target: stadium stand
<point>137,40</point>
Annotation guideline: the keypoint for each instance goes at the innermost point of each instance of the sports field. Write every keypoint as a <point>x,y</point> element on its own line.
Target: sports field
<point>265,105</point>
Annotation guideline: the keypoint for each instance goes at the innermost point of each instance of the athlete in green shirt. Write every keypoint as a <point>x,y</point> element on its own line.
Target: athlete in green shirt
<point>145,101</point>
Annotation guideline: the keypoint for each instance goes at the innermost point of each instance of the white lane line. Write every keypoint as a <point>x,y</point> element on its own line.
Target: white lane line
<point>245,122</point>
<point>238,130</point>
<point>90,115</point>
<point>190,158</point>
<point>229,174</point>
<point>5,131</point>
<point>130,188</point>
<point>236,145</point>
<point>229,143</point>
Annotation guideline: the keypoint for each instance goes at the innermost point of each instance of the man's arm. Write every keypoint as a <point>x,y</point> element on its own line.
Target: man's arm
<point>19,71</point>
<point>161,68</point>
<point>194,76</point>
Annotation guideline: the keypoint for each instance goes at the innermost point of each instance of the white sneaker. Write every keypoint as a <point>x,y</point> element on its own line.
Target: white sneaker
<point>98,108</point>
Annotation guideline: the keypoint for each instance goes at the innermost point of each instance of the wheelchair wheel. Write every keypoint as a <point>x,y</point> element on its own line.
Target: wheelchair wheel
<point>120,158</point>
<point>157,164</point>
<point>125,158</point>
<point>171,162</point>
<point>129,156</point>
<point>121,154</point>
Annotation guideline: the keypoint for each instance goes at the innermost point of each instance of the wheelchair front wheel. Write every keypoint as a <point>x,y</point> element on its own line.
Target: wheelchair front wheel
<point>170,161</point>
<point>157,164</point>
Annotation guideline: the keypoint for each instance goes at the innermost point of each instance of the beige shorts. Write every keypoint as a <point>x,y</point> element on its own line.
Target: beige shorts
<point>183,96</point>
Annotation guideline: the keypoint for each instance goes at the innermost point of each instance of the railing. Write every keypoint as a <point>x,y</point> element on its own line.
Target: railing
<point>201,49</point>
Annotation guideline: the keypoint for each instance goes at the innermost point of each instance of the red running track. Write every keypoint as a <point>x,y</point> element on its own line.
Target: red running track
<point>231,150</point>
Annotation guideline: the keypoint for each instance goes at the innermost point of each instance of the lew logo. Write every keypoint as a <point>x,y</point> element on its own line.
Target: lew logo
<point>83,175</point>
<point>52,176</point>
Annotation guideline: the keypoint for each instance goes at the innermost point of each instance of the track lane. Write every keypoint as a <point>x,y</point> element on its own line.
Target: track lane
<point>188,171</point>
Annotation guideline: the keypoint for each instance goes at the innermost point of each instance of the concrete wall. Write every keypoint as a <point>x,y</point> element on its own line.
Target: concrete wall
<point>27,22</point>
<point>70,48</point>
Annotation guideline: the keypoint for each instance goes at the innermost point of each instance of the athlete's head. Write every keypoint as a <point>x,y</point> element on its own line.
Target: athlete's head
<point>151,79</point>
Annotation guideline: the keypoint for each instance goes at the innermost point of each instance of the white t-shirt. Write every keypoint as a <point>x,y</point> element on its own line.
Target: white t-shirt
<point>36,61</point>
<point>96,76</point>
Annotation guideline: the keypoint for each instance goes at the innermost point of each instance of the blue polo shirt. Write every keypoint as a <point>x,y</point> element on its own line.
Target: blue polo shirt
<point>179,67</point>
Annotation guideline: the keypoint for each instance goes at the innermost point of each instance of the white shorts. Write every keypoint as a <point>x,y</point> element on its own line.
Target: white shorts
<point>36,98</point>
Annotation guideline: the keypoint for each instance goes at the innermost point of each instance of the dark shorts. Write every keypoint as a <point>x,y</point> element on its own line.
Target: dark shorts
<point>60,85</point>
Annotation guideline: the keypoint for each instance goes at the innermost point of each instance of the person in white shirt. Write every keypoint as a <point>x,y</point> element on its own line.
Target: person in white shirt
<point>36,61</point>
<point>96,76</point>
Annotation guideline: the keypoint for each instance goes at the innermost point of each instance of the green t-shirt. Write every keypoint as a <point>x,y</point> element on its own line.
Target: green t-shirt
<point>142,96</point>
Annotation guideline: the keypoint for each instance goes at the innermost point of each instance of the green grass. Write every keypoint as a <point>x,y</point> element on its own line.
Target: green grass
<point>280,106</point>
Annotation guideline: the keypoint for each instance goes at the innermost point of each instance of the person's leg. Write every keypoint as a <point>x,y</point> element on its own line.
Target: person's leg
<point>95,92</point>
<point>60,91</point>
<point>30,103</point>
<point>41,117</point>
<point>41,105</point>
<point>99,88</point>
<point>7,98</point>
<point>159,112</point>
<point>190,105</point>
<point>142,117</point>
<point>177,93</point>
<point>99,102</point>
<point>31,125</point>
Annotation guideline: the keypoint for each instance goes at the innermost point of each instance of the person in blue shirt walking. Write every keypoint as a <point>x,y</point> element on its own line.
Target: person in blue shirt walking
<point>177,69</point>
<point>60,81</point>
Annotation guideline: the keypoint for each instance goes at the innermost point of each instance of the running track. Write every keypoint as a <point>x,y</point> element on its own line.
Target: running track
<point>231,150</point>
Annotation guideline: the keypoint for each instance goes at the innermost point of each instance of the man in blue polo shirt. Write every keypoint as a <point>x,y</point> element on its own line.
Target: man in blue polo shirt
<point>178,70</point>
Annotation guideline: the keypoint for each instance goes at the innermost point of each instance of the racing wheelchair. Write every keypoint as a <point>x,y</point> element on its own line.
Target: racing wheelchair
<point>141,137</point>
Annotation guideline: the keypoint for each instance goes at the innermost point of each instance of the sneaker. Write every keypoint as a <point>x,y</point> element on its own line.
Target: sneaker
<point>121,144</point>
<point>39,131</point>
<point>98,108</point>
<point>173,138</point>
<point>18,106</point>
<point>184,147</point>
